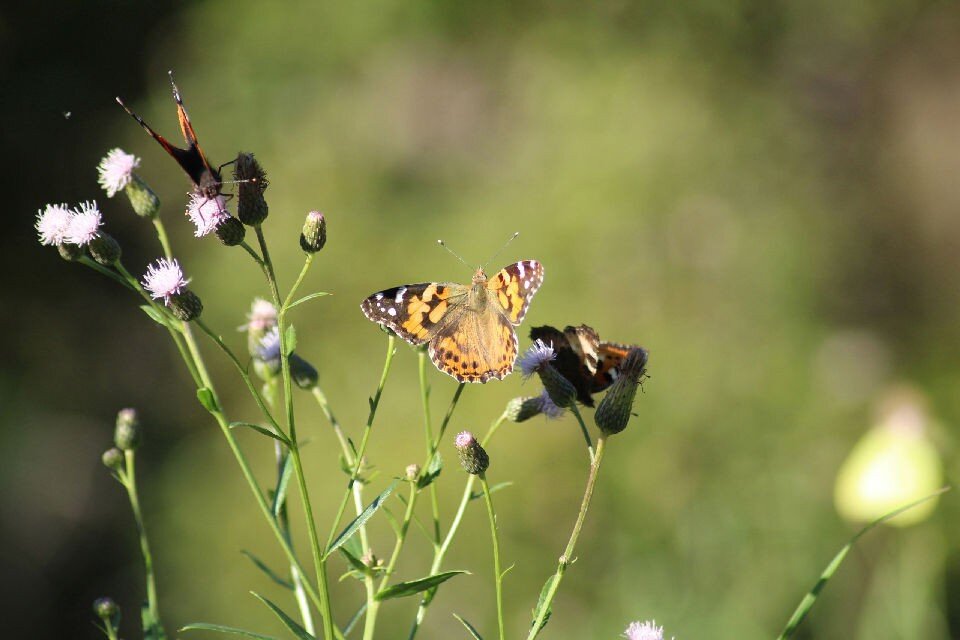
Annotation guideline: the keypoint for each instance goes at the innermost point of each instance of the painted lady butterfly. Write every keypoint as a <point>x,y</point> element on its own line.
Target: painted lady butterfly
<point>582,358</point>
<point>192,159</point>
<point>470,329</point>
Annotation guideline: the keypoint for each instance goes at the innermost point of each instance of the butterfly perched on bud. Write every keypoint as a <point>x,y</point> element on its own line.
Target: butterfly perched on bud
<point>192,159</point>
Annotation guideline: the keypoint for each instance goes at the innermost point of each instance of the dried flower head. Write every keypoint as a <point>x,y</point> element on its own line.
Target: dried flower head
<point>115,171</point>
<point>84,224</point>
<point>164,279</point>
<point>205,213</point>
<point>53,223</point>
<point>644,631</point>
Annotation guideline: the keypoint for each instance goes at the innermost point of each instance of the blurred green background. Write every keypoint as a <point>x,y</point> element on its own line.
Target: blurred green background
<point>762,194</point>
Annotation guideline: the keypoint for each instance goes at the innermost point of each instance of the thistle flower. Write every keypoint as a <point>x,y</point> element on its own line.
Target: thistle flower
<point>52,225</point>
<point>231,231</point>
<point>270,346</point>
<point>251,183</point>
<point>205,213</point>
<point>262,316</point>
<point>537,360</point>
<point>115,171</point>
<point>473,458</point>
<point>84,224</point>
<point>105,249</point>
<point>522,409</point>
<point>548,408</point>
<point>613,413</point>
<point>185,306</point>
<point>164,279</point>
<point>537,356</point>
<point>643,631</point>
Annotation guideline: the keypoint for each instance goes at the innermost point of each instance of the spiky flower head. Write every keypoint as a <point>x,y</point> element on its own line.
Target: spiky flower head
<point>206,213</point>
<point>252,181</point>
<point>538,359</point>
<point>613,413</point>
<point>314,233</point>
<point>115,171</point>
<point>127,433</point>
<point>164,279</point>
<point>84,224</point>
<point>473,458</point>
<point>644,631</point>
<point>53,223</point>
<point>537,356</point>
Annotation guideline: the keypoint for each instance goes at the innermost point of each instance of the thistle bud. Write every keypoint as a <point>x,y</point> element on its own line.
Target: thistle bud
<point>144,201</point>
<point>412,472</point>
<point>107,610</point>
<point>252,182</point>
<point>560,390</point>
<point>185,306</point>
<point>314,234</point>
<point>614,410</point>
<point>231,231</point>
<point>127,433</point>
<point>522,409</point>
<point>473,458</point>
<point>105,249</point>
<point>112,458</point>
<point>303,373</point>
<point>70,252</point>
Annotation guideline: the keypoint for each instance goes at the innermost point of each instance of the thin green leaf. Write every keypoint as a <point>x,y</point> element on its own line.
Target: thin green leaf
<point>307,297</point>
<point>156,315</point>
<point>540,604</point>
<point>415,586</point>
<point>280,495</point>
<point>431,473</point>
<point>473,632</point>
<point>356,562</point>
<point>290,339</point>
<point>808,600</point>
<point>287,621</point>
<point>354,546</point>
<point>496,487</point>
<point>354,619</point>
<point>267,570</point>
<point>359,521</point>
<point>207,399</point>
<point>270,432</point>
<point>205,626</point>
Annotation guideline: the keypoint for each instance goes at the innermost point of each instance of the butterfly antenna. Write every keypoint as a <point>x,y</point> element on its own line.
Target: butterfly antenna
<point>452,252</point>
<point>176,91</point>
<point>500,250</point>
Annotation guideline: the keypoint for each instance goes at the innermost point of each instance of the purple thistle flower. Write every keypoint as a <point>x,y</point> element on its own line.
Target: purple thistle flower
<point>205,213</point>
<point>164,279</point>
<point>84,224</point>
<point>262,316</point>
<point>269,350</point>
<point>644,631</point>
<point>535,357</point>
<point>53,223</point>
<point>547,406</point>
<point>115,171</point>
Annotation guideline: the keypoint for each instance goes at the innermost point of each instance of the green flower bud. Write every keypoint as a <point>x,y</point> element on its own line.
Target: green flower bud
<point>303,373</point>
<point>185,306</point>
<point>105,250</point>
<point>614,410</point>
<point>70,252</point>
<point>107,610</point>
<point>231,232</point>
<point>144,201</point>
<point>112,458</point>
<point>314,234</point>
<point>521,409</point>
<point>560,390</point>
<point>473,458</point>
<point>251,183</point>
<point>127,433</point>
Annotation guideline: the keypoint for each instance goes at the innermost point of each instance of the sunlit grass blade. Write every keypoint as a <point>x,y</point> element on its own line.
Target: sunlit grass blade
<point>473,632</point>
<point>270,573</point>
<point>403,589</point>
<point>205,626</point>
<point>360,520</point>
<point>287,621</point>
<point>808,600</point>
<point>305,298</point>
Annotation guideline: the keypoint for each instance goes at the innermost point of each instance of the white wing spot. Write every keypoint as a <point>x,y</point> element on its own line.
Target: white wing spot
<point>399,298</point>
<point>520,268</point>
<point>379,296</point>
<point>391,311</point>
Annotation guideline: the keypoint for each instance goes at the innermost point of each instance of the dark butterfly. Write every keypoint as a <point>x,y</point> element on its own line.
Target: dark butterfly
<point>589,363</point>
<point>192,159</point>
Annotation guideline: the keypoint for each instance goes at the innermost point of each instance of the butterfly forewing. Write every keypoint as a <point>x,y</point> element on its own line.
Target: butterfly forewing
<point>513,288</point>
<point>413,311</point>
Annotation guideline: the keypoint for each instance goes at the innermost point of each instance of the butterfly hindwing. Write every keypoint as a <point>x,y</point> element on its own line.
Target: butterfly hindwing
<point>475,346</point>
<point>513,288</point>
<point>576,356</point>
<point>610,358</point>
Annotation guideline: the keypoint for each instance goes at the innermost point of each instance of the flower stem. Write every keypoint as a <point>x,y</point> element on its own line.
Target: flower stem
<point>162,237</point>
<point>130,482</point>
<point>498,574</point>
<point>567,558</point>
<point>428,432</point>
<point>584,431</point>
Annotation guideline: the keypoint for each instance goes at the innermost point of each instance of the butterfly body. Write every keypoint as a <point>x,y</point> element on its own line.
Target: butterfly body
<point>469,329</point>
<point>191,159</point>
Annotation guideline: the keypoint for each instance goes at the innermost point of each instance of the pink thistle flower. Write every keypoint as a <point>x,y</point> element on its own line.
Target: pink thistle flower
<point>164,279</point>
<point>262,316</point>
<point>53,223</point>
<point>115,171</point>
<point>84,224</point>
<point>538,355</point>
<point>205,213</point>
<point>644,631</point>
<point>464,439</point>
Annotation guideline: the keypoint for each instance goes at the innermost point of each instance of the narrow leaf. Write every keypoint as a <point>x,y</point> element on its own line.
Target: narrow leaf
<point>473,632</point>
<point>290,339</point>
<point>205,626</point>
<point>415,586</point>
<point>206,398</point>
<point>360,519</point>
<point>356,562</point>
<point>280,495</point>
<point>496,487</point>
<point>540,604</point>
<point>270,432</point>
<point>808,600</point>
<point>354,619</point>
<point>431,473</point>
<point>267,570</point>
<point>307,297</point>
<point>155,315</point>
<point>287,621</point>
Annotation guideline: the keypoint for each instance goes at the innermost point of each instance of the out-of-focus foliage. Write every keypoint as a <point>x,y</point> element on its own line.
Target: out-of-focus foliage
<point>762,194</point>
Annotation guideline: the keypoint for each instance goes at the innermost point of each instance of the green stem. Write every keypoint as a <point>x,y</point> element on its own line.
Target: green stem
<point>110,630</point>
<point>584,431</point>
<point>87,261</point>
<point>321,399</point>
<point>498,574</point>
<point>130,482</point>
<point>162,236</point>
<point>428,432</point>
<point>567,558</point>
<point>253,254</point>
